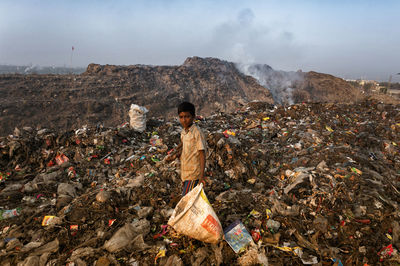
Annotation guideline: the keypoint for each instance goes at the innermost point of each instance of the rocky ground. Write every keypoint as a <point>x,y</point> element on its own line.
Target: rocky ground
<point>312,183</point>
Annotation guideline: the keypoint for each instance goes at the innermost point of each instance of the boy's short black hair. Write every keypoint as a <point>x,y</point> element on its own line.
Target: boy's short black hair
<point>186,107</point>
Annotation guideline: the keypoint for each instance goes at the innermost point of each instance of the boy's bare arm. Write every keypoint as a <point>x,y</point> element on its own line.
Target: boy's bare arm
<point>176,153</point>
<point>179,149</point>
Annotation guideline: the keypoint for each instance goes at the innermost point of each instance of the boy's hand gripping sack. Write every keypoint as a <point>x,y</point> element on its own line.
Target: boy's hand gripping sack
<point>193,216</point>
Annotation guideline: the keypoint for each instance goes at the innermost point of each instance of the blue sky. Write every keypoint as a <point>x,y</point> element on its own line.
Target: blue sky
<point>350,39</point>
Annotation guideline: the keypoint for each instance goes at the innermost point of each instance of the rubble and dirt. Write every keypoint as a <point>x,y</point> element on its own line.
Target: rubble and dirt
<point>312,183</point>
<point>103,93</point>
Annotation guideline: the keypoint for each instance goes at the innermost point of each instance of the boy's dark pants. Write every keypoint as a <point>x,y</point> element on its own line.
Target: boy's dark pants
<point>188,185</point>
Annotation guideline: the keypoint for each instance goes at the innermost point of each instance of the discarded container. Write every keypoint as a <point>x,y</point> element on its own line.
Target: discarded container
<point>61,158</point>
<point>51,220</point>
<point>5,214</point>
<point>193,216</point>
<point>237,236</point>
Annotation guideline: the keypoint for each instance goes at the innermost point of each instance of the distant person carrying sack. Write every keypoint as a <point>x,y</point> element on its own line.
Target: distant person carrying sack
<point>192,149</point>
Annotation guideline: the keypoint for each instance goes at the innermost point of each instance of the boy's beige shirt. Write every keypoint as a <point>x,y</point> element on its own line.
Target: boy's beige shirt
<point>193,141</point>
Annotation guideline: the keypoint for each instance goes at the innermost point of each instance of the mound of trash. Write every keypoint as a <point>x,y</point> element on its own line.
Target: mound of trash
<point>103,93</point>
<point>304,184</point>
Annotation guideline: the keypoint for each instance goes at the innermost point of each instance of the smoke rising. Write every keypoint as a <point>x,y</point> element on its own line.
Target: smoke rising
<point>242,39</point>
<point>247,38</point>
<point>281,84</point>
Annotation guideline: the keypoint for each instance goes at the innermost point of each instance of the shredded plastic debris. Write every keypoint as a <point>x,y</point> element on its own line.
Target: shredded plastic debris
<point>309,183</point>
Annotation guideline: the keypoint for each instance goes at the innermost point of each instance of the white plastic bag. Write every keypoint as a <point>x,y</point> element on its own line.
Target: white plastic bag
<point>193,216</point>
<point>137,115</point>
<point>126,235</point>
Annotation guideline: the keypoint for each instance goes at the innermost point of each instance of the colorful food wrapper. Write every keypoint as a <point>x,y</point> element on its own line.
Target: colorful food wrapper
<point>47,219</point>
<point>61,158</point>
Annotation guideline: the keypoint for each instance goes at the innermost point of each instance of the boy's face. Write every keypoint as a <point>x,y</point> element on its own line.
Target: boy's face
<point>186,119</point>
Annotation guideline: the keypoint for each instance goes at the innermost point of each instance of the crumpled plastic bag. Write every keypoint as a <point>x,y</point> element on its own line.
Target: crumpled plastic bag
<point>126,235</point>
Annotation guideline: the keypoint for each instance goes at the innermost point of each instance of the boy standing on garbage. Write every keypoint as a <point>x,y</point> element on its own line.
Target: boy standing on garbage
<point>192,149</point>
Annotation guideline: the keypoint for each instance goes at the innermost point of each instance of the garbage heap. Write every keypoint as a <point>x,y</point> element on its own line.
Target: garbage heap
<point>312,183</point>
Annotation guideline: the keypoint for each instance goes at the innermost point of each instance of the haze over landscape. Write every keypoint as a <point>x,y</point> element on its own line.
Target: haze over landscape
<point>298,103</point>
<point>349,39</point>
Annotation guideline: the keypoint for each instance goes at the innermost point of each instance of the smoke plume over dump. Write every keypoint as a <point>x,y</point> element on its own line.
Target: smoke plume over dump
<point>281,84</point>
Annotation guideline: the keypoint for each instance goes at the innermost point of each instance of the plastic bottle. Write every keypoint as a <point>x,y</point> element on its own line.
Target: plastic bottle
<point>5,214</point>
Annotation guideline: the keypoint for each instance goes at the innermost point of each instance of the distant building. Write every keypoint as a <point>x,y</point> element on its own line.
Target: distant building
<point>394,92</point>
<point>366,85</point>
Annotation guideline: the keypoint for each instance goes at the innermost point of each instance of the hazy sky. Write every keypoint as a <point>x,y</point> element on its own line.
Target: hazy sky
<point>350,39</point>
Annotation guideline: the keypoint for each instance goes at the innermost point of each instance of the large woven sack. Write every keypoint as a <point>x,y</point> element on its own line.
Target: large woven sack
<point>193,216</point>
<point>137,115</point>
